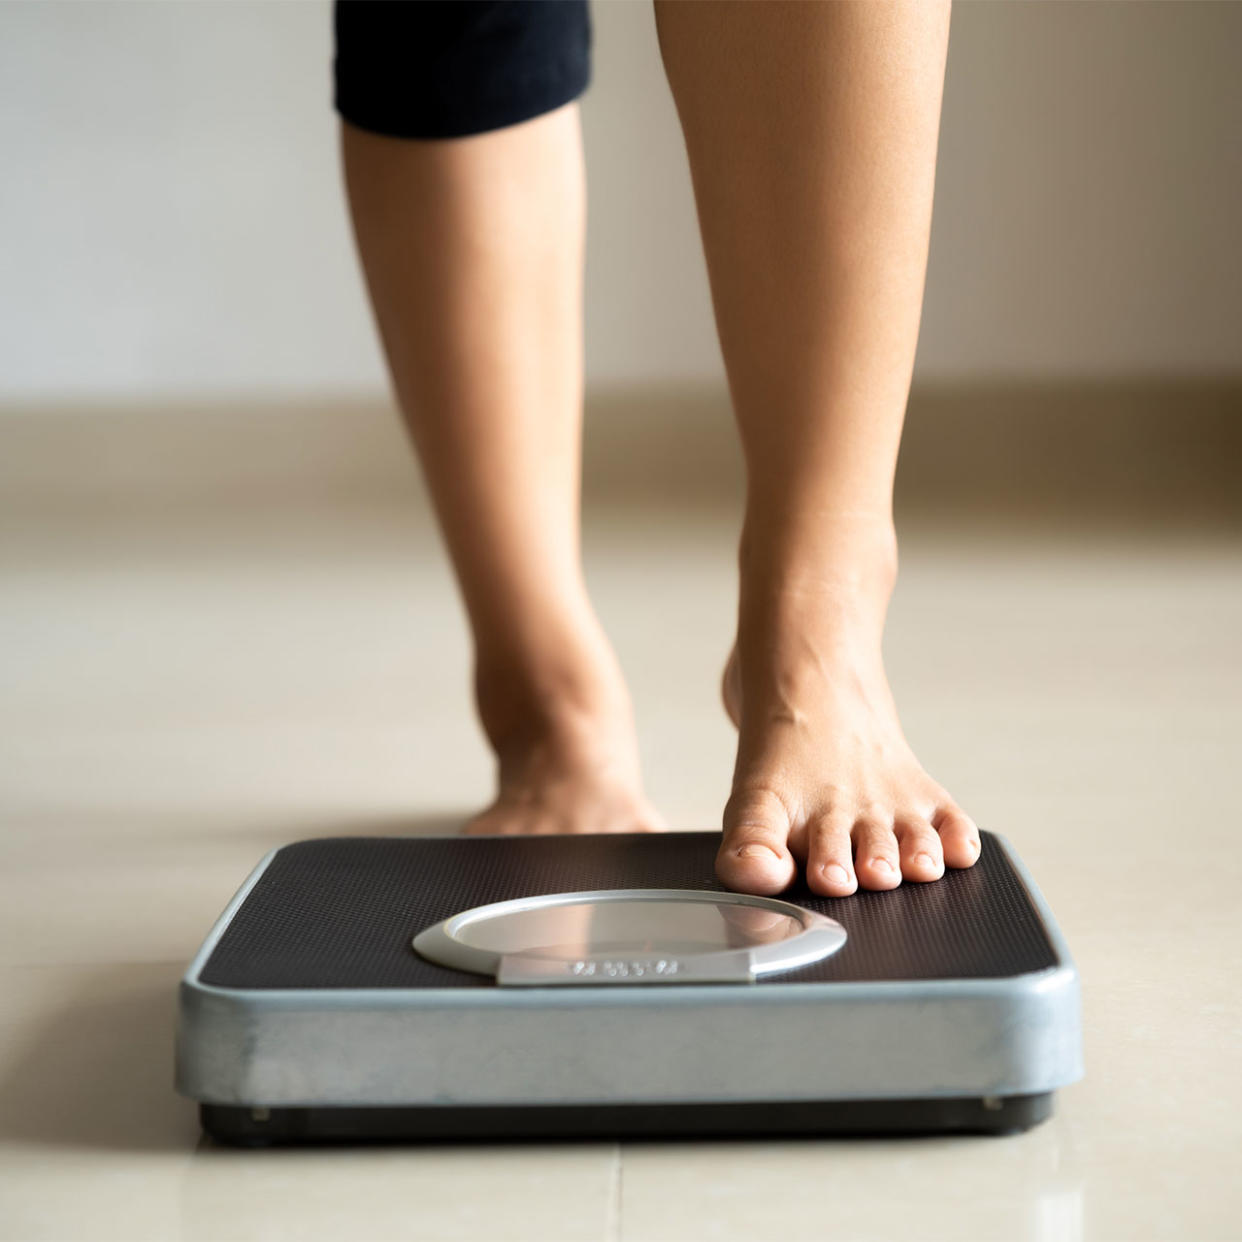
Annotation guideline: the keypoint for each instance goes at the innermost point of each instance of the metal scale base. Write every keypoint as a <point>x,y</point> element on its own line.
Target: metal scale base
<point>309,1016</point>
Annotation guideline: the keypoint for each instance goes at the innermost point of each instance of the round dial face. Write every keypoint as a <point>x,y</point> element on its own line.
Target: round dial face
<point>629,928</point>
<point>631,935</point>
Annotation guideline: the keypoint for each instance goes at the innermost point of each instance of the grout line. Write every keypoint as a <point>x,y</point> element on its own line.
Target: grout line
<point>613,1233</point>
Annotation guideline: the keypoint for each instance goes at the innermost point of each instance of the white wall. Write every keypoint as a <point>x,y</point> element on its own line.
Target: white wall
<point>171,217</point>
<point>1089,191</point>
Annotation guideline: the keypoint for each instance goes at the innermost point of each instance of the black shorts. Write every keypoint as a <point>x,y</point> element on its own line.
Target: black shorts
<point>447,68</point>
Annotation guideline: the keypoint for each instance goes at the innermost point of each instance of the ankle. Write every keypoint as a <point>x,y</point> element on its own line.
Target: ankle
<point>563,692</point>
<point>840,566</point>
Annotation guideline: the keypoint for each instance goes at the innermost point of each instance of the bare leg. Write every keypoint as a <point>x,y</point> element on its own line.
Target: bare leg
<point>473,253</point>
<point>811,131</point>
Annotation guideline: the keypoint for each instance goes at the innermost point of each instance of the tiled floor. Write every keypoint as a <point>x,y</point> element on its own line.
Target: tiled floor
<point>176,697</point>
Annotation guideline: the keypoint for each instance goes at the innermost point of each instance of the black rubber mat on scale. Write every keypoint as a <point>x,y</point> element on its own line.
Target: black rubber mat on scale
<point>341,912</point>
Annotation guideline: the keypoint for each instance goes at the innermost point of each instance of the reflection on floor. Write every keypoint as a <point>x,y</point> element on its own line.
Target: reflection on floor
<point>182,690</point>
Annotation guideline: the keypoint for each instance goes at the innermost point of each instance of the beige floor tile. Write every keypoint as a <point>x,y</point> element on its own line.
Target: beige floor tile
<point>175,700</point>
<point>1015,1189</point>
<point>95,1145</point>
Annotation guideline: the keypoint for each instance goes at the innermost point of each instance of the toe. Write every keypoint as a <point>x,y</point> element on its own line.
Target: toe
<point>754,855</point>
<point>876,857</point>
<point>507,818</point>
<point>921,855</point>
<point>487,823</point>
<point>959,836</point>
<point>829,861</point>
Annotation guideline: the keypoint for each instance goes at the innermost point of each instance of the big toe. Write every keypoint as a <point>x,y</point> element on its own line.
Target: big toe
<point>754,855</point>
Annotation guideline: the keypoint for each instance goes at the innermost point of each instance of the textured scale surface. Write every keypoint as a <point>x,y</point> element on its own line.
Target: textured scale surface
<point>341,912</point>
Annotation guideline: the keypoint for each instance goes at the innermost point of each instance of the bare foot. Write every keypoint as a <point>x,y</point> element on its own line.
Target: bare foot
<point>825,781</point>
<point>566,749</point>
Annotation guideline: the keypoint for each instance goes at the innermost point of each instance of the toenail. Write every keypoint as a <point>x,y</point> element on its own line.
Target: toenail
<point>881,864</point>
<point>836,873</point>
<point>925,860</point>
<point>756,851</point>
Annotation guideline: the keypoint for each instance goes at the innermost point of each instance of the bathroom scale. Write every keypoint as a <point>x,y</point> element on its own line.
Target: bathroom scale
<point>606,986</point>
